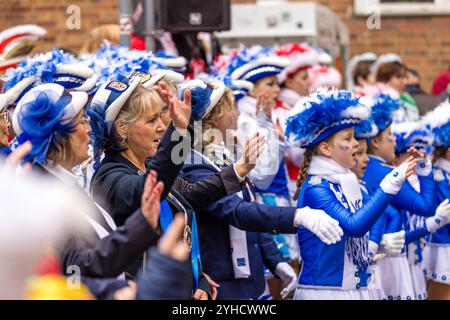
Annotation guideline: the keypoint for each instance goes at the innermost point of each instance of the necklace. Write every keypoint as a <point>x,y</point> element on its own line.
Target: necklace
<point>187,233</point>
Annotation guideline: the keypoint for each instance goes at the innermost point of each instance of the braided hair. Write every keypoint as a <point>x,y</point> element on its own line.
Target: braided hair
<point>303,172</point>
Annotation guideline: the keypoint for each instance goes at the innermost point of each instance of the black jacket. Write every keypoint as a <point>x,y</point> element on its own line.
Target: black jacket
<point>110,256</point>
<point>118,184</point>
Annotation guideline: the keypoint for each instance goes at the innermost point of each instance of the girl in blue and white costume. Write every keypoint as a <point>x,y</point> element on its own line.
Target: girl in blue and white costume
<point>324,126</point>
<point>261,66</point>
<point>386,230</point>
<point>415,135</point>
<point>398,282</point>
<point>436,255</point>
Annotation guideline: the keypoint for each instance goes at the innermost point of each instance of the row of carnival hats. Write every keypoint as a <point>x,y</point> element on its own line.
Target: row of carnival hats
<point>86,73</point>
<point>323,113</point>
<point>243,67</point>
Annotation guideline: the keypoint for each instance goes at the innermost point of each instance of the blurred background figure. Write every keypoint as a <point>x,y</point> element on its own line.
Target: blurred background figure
<point>425,102</point>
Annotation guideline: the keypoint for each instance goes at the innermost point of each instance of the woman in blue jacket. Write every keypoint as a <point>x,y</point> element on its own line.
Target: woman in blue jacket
<point>234,239</point>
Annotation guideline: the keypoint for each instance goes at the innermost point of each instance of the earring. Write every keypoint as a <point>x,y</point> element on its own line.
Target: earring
<point>123,143</point>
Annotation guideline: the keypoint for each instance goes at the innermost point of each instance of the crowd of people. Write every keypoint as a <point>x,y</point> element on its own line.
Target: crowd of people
<point>124,178</point>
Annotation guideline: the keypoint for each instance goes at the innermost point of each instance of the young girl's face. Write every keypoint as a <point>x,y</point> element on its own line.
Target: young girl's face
<point>343,148</point>
<point>269,86</point>
<point>361,159</point>
<point>386,146</point>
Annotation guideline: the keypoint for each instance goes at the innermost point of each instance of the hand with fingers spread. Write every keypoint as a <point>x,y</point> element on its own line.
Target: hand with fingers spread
<point>253,148</point>
<point>319,223</point>
<point>392,182</point>
<point>151,198</point>
<point>424,166</point>
<point>288,276</point>
<point>263,103</point>
<point>180,111</point>
<point>440,218</point>
<point>392,243</point>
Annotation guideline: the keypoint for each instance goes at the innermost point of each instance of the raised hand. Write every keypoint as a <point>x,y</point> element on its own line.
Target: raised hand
<point>151,198</point>
<point>393,181</point>
<point>16,157</point>
<point>253,148</point>
<point>180,111</point>
<point>262,101</point>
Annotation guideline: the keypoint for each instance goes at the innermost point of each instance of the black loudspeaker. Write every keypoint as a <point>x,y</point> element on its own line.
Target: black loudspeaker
<point>193,15</point>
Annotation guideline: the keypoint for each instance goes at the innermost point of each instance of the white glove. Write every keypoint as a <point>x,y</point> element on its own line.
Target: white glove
<point>440,218</point>
<point>288,276</point>
<point>392,243</point>
<point>393,181</point>
<point>319,223</point>
<point>423,166</point>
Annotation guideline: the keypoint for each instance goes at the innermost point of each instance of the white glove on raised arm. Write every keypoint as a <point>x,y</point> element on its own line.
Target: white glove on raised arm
<point>392,243</point>
<point>423,167</point>
<point>440,218</point>
<point>319,223</point>
<point>288,276</point>
<point>392,182</point>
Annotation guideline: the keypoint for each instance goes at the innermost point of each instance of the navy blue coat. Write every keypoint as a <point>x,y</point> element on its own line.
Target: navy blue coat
<point>213,227</point>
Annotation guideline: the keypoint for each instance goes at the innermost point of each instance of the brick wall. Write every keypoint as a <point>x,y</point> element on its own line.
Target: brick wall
<point>423,42</point>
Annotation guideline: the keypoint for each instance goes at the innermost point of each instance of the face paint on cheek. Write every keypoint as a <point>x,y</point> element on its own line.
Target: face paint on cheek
<point>389,139</point>
<point>344,148</point>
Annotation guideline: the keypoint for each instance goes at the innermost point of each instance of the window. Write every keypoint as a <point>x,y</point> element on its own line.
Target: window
<point>401,7</point>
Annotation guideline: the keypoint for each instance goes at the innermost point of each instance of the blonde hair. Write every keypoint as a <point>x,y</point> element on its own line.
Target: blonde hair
<point>135,108</point>
<point>60,150</point>
<point>110,32</point>
<point>225,104</point>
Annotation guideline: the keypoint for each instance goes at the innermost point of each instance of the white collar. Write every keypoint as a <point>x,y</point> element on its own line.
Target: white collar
<point>67,177</point>
<point>289,97</point>
<point>247,105</point>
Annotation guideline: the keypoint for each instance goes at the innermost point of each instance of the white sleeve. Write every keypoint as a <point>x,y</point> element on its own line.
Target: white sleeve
<point>268,163</point>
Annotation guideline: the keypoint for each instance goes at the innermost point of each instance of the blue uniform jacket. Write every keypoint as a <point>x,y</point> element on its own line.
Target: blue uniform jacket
<point>213,227</point>
<point>442,181</point>
<point>331,266</point>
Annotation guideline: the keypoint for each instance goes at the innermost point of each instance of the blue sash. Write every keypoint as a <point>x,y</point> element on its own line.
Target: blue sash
<point>165,219</point>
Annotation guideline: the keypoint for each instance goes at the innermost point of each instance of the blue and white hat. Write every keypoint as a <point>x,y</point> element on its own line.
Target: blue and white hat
<point>51,67</point>
<point>174,63</point>
<point>44,115</point>
<point>204,96</point>
<point>366,129</point>
<point>322,114</point>
<point>411,134</point>
<point>382,108</point>
<point>110,99</point>
<point>438,121</point>
<point>255,63</point>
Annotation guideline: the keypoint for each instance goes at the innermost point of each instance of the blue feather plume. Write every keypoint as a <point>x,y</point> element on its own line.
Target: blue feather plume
<point>383,109</point>
<point>42,66</point>
<point>40,121</point>
<point>320,113</point>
